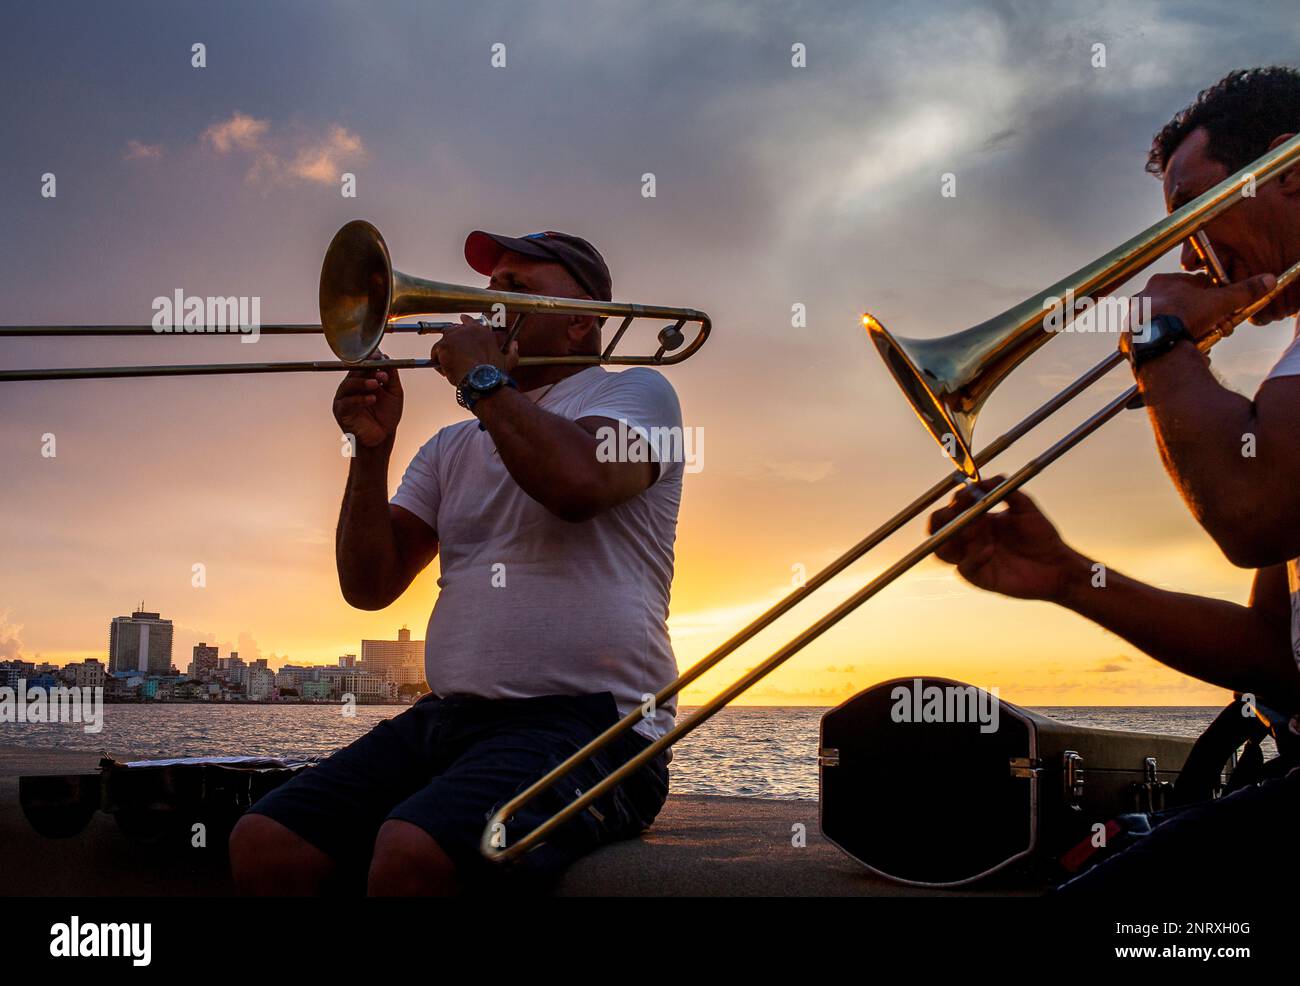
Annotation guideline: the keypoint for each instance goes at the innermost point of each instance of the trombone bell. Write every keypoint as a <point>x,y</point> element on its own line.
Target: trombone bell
<point>937,383</point>
<point>356,291</point>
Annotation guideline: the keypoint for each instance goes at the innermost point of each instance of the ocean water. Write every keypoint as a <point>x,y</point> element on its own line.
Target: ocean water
<point>744,751</point>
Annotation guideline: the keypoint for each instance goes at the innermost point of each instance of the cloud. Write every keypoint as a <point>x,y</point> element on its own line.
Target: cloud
<point>281,157</point>
<point>138,151</point>
<point>11,647</point>
<point>248,649</point>
<point>241,132</point>
<point>322,161</point>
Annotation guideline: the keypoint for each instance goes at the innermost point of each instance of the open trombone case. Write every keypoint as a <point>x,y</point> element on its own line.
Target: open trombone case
<point>932,782</point>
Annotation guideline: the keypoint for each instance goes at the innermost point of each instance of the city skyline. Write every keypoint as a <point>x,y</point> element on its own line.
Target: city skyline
<point>374,651</point>
<point>140,666</point>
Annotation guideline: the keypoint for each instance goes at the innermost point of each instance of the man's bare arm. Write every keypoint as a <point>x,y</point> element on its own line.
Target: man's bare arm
<point>379,548</point>
<point>1236,462</point>
<point>554,459</point>
<point>1242,648</point>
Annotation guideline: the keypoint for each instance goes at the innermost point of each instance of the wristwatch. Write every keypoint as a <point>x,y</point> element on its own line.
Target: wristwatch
<point>482,380</point>
<point>1162,333</point>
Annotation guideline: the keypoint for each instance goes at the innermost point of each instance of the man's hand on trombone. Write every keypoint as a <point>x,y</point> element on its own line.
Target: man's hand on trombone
<point>1200,304</point>
<point>1013,550</point>
<point>368,405</point>
<point>469,345</point>
<point>1017,551</point>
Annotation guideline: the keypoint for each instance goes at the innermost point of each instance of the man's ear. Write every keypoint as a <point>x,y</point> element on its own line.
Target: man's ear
<point>1288,182</point>
<point>580,326</point>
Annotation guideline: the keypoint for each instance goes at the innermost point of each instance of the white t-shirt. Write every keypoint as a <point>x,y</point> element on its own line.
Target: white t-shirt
<point>530,604</point>
<point>1288,365</point>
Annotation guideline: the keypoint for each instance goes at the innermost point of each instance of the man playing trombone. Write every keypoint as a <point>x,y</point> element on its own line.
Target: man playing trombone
<point>1236,463</point>
<point>551,618</point>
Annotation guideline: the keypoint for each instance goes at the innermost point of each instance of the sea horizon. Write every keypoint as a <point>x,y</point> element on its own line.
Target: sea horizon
<point>756,751</point>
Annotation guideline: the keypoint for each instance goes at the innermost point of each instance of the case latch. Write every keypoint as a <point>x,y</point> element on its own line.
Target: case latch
<point>1072,778</point>
<point>1149,793</point>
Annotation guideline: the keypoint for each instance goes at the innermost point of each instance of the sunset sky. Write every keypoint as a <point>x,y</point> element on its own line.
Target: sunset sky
<point>776,186</point>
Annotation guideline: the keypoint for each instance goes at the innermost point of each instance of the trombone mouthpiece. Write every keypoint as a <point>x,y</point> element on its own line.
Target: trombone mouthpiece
<point>425,328</point>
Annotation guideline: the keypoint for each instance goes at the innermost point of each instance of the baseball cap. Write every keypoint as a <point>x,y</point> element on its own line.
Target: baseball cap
<point>580,258</point>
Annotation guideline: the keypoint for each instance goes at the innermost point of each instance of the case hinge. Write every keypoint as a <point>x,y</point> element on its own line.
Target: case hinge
<point>1024,767</point>
<point>828,756</point>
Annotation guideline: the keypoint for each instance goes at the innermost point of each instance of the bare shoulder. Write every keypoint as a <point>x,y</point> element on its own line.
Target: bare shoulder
<point>1280,396</point>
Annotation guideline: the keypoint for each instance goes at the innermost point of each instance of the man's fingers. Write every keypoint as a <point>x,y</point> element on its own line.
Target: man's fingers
<point>954,549</point>
<point>352,385</point>
<point>1239,294</point>
<point>358,385</point>
<point>941,517</point>
<point>1020,502</point>
<point>354,403</point>
<point>975,560</point>
<point>961,500</point>
<point>959,547</point>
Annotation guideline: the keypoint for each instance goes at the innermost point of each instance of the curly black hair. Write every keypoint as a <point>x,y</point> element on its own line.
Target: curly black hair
<point>1242,113</point>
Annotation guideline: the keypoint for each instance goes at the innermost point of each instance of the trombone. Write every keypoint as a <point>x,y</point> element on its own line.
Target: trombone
<point>361,298</point>
<point>947,380</point>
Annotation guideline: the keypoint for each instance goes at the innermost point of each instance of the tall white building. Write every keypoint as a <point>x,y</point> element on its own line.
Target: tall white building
<point>141,642</point>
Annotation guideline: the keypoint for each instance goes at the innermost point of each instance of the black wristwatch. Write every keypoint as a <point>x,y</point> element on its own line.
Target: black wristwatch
<point>1162,334</point>
<point>484,379</point>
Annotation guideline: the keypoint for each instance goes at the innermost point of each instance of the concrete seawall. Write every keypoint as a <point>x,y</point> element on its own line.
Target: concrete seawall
<point>699,846</point>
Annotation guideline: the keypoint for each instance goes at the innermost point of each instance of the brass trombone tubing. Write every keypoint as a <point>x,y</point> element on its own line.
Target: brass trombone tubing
<point>195,369</point>
<point>628,312</point>
<point>488,844</point>
<point>209,369</point>
<point>150,330</point>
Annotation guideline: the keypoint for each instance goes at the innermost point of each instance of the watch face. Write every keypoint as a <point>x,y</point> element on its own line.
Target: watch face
<point>483,376</point>
<point>1152,333</point>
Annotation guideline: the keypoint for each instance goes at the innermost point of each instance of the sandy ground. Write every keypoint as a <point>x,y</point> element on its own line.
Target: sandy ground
<point>699,846</point>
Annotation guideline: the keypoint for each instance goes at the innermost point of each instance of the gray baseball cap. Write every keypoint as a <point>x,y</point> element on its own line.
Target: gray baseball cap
<point>579,258</point>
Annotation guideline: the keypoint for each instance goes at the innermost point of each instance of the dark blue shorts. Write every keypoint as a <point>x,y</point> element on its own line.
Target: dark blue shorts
<point>446,764</point>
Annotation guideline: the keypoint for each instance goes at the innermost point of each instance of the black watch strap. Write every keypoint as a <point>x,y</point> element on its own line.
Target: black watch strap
<point>1162,334</point>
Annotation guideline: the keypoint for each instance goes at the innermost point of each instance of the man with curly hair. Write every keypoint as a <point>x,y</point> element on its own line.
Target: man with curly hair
<point>1249,504</point>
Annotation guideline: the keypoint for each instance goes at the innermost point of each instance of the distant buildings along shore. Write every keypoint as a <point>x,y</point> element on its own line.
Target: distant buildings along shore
<point>139,668</point>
